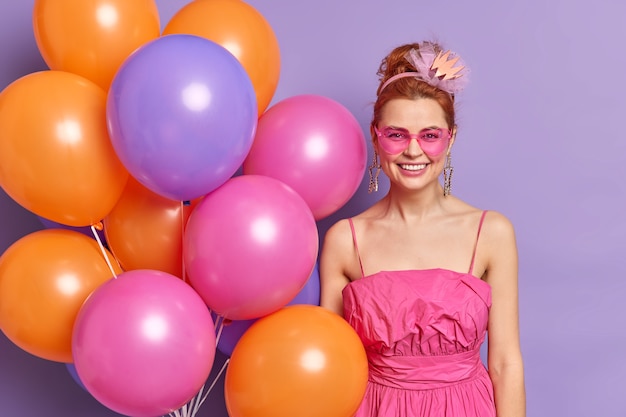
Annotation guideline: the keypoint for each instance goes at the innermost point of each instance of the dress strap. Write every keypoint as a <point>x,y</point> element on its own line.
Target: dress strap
<point>356,247</point>
<point>480,225</point>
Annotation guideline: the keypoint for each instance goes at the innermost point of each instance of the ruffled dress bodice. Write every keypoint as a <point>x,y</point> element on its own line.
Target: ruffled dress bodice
<point>422,331</point>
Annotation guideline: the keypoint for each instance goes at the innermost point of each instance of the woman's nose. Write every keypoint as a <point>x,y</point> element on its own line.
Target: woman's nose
<point>413,149</point>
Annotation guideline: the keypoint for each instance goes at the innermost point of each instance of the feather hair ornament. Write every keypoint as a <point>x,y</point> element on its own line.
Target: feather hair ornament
<point>444,70</point>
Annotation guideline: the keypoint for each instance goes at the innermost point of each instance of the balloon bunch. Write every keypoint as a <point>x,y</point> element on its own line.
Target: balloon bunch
<point>208,201</point>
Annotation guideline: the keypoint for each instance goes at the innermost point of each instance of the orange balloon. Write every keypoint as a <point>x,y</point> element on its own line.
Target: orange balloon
<point>302,360</point>
<point>145,230</point>
<point>56,158</point>
<point>44,279</point>
<point>92,38</point>
<point>243,31</point>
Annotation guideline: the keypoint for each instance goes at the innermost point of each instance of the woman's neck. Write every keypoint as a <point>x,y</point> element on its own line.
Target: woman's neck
<point>414,205</point>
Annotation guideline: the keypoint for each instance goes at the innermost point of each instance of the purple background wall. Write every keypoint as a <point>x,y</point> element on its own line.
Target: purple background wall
<point>540,140</point>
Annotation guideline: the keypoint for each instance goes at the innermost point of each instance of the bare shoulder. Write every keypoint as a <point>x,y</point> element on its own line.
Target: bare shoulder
<point>335,265</point>
<point>498,245</point>
<point>497,228</point>
<point>338,248</point>
<point>338,235</point>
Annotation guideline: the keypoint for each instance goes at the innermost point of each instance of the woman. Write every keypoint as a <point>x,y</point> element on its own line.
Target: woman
<point>422,275</point>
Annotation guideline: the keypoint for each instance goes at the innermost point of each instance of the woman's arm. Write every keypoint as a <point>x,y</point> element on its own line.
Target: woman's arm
<point>335,250</point>
<point>505,358</point>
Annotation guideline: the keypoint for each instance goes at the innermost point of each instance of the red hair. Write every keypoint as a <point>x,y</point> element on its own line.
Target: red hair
<point>409,87</point>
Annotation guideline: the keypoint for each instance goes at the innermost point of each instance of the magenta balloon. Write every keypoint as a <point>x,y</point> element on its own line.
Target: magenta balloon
<point>182,114</point>
<point>314,145</point>
<point>250,246</point>
<point>144,343</point>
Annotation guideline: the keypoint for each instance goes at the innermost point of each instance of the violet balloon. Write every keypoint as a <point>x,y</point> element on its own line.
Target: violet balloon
<point>313,144</point>
<point>250,246</point>
<point>310,293</point>
<point>232,331</point>
<point>182,115</point>
<point>71,369</point>
<point>144,343</point>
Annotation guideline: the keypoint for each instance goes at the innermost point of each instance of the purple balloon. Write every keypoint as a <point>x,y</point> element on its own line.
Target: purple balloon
<point>233,330</point>
<point>72,371</point>
<point>310,293</point>
<point>182,115</point>
<point>231,333</point>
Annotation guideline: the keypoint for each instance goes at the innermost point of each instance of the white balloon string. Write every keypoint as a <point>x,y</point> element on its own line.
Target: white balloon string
<point>220,327</point>
<point>193,404</point>
<point>182,236</point>
<point>103,250</point>
<point>219,374</point>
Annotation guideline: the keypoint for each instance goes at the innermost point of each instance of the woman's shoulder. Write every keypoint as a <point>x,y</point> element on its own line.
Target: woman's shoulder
<point>341,232</point>
<point>497,223</point>
<point>493,219</point>
<point>497,233</point>
<point>338,234</point>
<point>495,228</point>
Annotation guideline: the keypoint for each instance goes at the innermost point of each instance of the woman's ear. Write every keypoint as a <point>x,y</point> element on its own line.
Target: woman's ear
<point>452,138</point>
<point>374,137</point>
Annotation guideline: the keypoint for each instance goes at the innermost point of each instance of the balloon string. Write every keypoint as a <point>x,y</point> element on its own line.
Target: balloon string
<point>104,253</point>
<point>182,236</point>
<point>193,406</point>
<point>219,374</point>
<point>220,326</point>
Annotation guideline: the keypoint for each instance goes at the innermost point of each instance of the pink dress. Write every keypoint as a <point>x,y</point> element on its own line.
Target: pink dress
<point>422,331</point>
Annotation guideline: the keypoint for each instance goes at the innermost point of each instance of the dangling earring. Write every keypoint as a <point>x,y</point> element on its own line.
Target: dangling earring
<point>447,175</point>
<point>373,186</point>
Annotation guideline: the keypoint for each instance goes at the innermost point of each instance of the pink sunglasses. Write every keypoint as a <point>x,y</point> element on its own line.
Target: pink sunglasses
<point>395,140</point>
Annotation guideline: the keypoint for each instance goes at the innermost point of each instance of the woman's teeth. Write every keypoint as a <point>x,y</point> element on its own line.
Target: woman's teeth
<point>413,167</point>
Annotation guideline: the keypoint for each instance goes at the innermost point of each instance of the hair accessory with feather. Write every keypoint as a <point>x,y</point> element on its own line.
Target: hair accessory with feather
<point>444,70</point>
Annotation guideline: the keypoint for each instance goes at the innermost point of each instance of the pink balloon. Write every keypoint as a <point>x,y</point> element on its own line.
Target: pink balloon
<point>144,343</point>
<point>314,145</point>
<point>250,247</point>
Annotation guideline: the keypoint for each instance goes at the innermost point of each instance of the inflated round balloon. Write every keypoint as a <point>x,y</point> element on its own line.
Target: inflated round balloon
<point>44,279</point>
<point>56,158</point>
<point>250,247</point>
<point>232,330</point>
<point>313,144</point>
<point>241,29</point>
<point>71,369</point>
<point>144,343</point>
<point>299,361</point>
<point>145,230</point>
<point>92,38</point>
<point>182,115</point>
<point>310,293</point>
